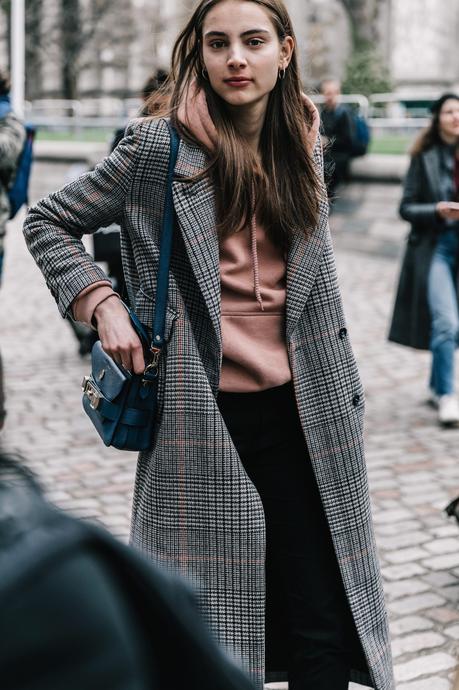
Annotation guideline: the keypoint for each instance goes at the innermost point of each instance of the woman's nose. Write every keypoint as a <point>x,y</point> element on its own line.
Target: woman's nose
<point>236,59</point>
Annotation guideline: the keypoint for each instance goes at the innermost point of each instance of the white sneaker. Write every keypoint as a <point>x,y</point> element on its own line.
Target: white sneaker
<point>448,410</point>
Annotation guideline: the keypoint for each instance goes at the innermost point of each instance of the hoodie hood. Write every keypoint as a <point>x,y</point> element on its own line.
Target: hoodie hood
<point>194,114</point>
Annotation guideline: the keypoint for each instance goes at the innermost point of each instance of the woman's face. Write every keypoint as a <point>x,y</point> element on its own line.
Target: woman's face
<point>449,120</point>
<point>241,52</point>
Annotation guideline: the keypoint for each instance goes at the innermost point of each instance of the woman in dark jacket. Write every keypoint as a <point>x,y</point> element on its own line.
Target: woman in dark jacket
<point>426,309</point>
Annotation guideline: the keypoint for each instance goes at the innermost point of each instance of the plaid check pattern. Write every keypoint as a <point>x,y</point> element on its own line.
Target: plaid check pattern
<point>195,510</point>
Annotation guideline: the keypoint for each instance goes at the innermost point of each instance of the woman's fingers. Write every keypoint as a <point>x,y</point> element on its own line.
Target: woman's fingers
<point>118,337</point>
<point>137,359</point>
<point>126,349</point>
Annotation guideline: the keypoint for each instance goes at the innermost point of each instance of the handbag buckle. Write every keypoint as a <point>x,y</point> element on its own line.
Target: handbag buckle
<point>91,392</point>
<point>152,367</point>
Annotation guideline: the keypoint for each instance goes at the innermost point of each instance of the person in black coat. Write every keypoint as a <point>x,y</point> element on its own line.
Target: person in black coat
<point>426,308</point>
<point>337,135</point>
<point>80,611</point>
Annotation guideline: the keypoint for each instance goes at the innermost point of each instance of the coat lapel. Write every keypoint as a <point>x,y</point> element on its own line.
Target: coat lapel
<point>304,259</point>
<point>432,166</point>
<point>195,208</point>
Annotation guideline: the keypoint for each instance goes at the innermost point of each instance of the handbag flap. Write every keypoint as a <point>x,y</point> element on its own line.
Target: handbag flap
<point>108,376</point>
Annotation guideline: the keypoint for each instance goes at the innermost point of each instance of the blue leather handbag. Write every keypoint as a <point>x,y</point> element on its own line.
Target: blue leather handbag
<point>121,405</point>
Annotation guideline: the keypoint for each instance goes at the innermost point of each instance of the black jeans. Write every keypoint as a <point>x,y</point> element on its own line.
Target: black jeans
<point>304,591</point>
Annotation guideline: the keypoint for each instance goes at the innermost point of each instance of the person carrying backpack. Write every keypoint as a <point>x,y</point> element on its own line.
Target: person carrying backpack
<point>337,135</point>
<point>346,135</point>
<point>12,138</point>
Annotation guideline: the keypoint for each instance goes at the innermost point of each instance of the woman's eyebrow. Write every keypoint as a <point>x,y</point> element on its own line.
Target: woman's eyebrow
<point>210,34</point>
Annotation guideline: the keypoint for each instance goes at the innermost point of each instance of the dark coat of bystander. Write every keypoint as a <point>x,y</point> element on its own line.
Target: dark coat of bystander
<point>422,190</point>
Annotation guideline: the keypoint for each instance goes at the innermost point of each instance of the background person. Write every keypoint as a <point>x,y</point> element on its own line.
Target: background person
<point>81,611</point>
<point>337,135</point>
<point>426,306</point>
<point>12,137</point>
<point>257,473</point>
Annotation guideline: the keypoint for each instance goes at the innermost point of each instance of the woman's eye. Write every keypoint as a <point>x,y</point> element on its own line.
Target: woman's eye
<point>255,42</point>
<point>217,44</point>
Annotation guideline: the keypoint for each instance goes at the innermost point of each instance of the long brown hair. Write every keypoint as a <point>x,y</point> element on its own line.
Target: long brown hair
<point>430,136</point>
<point>288,187</point>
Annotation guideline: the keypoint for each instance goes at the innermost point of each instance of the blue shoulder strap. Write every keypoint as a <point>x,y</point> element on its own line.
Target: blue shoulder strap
<point>159,318</point>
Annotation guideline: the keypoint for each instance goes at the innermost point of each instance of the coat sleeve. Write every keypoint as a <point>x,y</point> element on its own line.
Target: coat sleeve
<point>413,206</point>
<point>55,225</point>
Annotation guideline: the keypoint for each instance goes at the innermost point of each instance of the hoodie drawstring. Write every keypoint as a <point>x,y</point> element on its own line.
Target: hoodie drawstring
<point>254,251</point>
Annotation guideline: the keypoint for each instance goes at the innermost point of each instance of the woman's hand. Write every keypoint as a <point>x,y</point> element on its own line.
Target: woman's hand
<point>448,210</point>
<point>117,336</point>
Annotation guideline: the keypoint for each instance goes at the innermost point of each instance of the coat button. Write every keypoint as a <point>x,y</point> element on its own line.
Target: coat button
<point>356,399</point>
<point>342,333</point>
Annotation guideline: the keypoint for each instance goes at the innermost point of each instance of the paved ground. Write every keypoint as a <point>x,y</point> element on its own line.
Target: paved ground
<point>413,464</point>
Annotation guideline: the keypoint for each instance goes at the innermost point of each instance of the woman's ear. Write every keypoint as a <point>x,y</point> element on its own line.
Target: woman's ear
<point>286,52</point>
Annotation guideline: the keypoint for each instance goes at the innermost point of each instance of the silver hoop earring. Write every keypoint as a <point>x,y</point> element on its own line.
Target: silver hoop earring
<point>282,73</point>
<point>204,74</point>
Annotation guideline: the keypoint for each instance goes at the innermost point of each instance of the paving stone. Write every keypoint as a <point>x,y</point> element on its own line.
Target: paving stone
<point>443,546</point>
<point>443,614</point>
<point>402,540</point>
<point>451,593</point>
<point>441,579</point>
<point>443,562</point>
<point>403,588</point>
<point>416,643</point>
<point>405,555</point>
<point>409,624</point>
<point>397,529</point>
<point>400,572</point>
<point>434,499</point>
<point>452,631</point>
<point>390,516</point>
<point>426,684</point>
<point>418,602</point>
<point>423,665</point>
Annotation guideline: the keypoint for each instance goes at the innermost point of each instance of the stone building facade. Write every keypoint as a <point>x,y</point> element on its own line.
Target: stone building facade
<point>417,40</point>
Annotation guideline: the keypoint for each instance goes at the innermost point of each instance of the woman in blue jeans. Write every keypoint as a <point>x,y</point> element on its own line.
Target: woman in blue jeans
<point>426,312</point>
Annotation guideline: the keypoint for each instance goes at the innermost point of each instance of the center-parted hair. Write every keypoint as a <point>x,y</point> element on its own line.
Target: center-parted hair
<point>288,187</point>
<point>430,136</point>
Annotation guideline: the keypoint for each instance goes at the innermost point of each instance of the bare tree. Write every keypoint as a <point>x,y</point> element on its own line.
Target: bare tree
<point>33,50</point>
<point>363,16</point>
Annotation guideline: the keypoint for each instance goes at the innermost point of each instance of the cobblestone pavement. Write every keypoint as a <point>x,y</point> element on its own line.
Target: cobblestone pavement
<point>413,464</point>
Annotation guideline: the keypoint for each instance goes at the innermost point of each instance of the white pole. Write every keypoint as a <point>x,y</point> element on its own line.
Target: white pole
<point>17,56</point>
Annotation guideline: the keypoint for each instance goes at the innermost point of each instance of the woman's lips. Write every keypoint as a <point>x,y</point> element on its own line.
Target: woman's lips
<point>237,82</point>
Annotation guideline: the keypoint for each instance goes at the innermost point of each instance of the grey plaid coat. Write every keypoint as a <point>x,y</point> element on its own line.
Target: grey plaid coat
<point>195,510</point>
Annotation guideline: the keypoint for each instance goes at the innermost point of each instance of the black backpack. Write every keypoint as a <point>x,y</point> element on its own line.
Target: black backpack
<point>361,134</point>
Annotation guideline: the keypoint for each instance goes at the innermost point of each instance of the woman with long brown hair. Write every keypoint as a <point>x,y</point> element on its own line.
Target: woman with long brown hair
<point>255,487</point>
<point>426,312</point>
